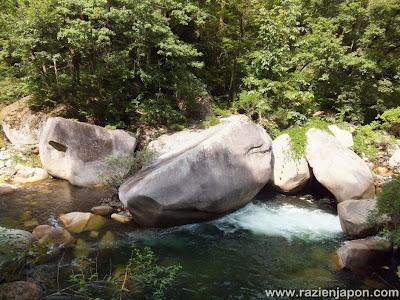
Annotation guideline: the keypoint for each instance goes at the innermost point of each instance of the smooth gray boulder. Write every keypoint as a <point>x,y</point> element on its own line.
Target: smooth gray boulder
<point>289,173</point>
<point>14,238</point>
<point>344,136</point>
<point>78,152</point>
<point>215,172</point>
<point>21,125</point>
<point>338,168</point>
<point>13,244</point>
<point>365,254</point>
<point>354,217</point>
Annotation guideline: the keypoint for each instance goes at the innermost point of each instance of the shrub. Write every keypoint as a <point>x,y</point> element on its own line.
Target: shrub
<point>391,120</point>
<point>209,121</point>
<point>298,135</point>
<point>388,207</point>
<point>121,167</point>
<point>142,274</point>
<point>367,138</point>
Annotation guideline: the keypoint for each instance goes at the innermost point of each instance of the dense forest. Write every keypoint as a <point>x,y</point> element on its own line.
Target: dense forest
<point>129,62</point>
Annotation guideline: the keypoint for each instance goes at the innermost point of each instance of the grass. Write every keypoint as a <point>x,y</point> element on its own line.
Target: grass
<point>209,121</point>
<point>124,166</point>
<point>367,138</point>
<point>27,159</point>
<point>298,135</point>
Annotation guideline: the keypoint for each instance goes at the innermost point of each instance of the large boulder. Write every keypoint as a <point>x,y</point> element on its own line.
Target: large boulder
<point>344,136</point>
<point>338,168</point>
<point>26,174</point>
<point>78,152</point>
<point>290,174</point>
<point>365,254</point>
<point>22,125</point>
<point>210,173</point>
<point>354,217</point>
<point>15,239</point>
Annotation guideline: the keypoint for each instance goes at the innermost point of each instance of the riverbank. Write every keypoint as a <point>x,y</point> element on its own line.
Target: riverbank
<point>228,163</point>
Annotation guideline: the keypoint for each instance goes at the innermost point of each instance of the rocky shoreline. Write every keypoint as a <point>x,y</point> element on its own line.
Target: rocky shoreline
<point>194,175</point>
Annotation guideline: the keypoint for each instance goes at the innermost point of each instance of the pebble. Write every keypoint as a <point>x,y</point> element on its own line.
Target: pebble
<point>102,210</point>
<point>121,218</point>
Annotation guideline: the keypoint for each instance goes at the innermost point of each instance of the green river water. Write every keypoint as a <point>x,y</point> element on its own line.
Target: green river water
<point>274,242</point>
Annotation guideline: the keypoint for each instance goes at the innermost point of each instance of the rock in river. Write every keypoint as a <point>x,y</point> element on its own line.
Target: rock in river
<point>102,210</point>
<point>210,173</point>
<point>290,174</point>
<point>365,254</point>
<point>354,217</point>
<point>49,235</point>
<point>13,244</point>
<point>77,222</point>
<point>78,152</point>
<point>338,168</point>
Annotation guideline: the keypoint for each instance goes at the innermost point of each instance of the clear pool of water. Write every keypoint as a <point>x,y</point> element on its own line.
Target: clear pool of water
<point>273,242</point>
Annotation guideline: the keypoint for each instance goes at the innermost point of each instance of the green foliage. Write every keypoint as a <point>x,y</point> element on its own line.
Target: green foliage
<point>368,137</point>
<point>209,121</point>
<point>298,135</point>
<point>365,140</point>
<point>388,207</point>
<point>126,62</point>
<point>142,274</point>
<point>27,159</point>
<point>121,167</point>
<point>391,120</point>
<point>108,61</point>
<point>340,56</point>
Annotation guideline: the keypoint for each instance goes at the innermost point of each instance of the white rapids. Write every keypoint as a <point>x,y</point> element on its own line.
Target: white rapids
<point>284,220</point>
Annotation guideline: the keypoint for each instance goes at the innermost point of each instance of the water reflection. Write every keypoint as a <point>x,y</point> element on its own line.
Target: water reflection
<point>35,204</point>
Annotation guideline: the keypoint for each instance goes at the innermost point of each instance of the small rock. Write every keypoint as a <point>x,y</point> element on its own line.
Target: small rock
<point>394,161</point>
<point>40,231</point>
<point>29,175</point>
<point>5,155</point>
<point>19,290</point>
<point>103,210</point>
<point>121,218</point>
<point>365,254</point>
<point>6,188</point>
<point>383,171</point>
<point>46,234</point>
<point>79,221</point>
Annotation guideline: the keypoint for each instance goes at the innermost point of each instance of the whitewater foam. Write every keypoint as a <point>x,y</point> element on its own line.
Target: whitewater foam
<point>284,220</point>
